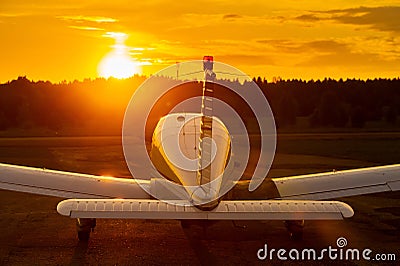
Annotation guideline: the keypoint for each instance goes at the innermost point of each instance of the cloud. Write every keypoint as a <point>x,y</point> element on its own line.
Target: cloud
<point>86,28</point>
<point>246,59</point>
<point>88,19</point>
<point>307,47</point>
<point>380,18</point>
<point>86,23</point>
<point>332,53</point>
<point>231,17</point>
<point>13,15</point>
<point>325,46</point>
<point>308,18</point>
<point>384,18</point>
<point>281,45</point>
<point>347,58</point>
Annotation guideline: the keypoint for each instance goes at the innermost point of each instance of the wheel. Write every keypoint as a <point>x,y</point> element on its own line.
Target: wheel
<point>83,227</point>
<point>297,235</point>
<point>83,236</point>
<point>295,229</point>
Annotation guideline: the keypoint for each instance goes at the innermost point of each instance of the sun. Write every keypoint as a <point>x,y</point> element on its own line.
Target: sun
<point>118,66</point>
<point>118,63</point>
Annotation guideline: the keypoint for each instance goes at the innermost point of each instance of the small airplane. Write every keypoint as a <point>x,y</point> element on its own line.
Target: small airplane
<point>296,198</point>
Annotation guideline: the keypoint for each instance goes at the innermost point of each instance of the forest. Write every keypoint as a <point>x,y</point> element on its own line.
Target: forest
<point>96,107</point>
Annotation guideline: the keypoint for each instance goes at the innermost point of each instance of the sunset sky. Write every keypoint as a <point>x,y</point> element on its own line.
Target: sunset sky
<point>68,40</point>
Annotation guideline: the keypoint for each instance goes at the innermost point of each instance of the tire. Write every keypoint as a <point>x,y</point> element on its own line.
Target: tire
<point>83,236</point>
<point>84,227</point>
<point>295,229</point>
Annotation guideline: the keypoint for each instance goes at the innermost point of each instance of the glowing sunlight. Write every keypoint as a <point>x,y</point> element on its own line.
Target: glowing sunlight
<point>118,63</point>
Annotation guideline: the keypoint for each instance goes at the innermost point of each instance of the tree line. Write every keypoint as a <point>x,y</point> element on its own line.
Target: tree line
<point>97,106</point>
<point>332,103</point>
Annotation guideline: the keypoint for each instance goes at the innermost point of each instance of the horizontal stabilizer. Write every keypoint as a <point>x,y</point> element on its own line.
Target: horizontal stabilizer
<point>226,210</point>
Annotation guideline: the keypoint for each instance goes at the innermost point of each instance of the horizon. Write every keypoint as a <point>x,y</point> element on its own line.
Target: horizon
<point>280,79</point>
<point>70,40</point>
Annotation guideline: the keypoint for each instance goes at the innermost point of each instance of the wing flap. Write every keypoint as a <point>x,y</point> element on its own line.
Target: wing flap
<point>66,184</point>
<point>226,210</point>
<point>340,183</point>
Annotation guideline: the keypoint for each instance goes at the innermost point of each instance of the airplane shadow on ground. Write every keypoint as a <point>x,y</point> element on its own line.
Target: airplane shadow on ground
<point>199,233</point>
<point>201,251</point>
<point>79,255</point>
<point>230,230</point>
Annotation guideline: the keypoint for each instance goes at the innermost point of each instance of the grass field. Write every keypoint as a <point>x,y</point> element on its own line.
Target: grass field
<point>32,232</point>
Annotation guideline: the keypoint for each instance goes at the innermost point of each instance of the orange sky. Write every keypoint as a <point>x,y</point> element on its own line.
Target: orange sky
<point>67,40</point>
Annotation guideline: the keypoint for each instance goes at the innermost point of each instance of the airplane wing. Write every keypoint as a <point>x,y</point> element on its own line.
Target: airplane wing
<point>68,185</point>
<point>305,187</point>
<point>338,184</point>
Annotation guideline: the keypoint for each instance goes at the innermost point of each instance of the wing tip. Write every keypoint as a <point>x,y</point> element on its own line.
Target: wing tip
<point>345,209</point>
<point>64,207</point>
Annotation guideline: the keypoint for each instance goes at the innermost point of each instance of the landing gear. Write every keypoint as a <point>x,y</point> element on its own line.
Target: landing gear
<point>295,228</point>
<point>83,227</point>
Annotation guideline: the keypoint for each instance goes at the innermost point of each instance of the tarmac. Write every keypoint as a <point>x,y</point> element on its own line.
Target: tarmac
<point>33,233</point>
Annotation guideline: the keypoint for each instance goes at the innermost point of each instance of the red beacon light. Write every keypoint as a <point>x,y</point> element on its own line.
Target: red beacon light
<point>208,63</point>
